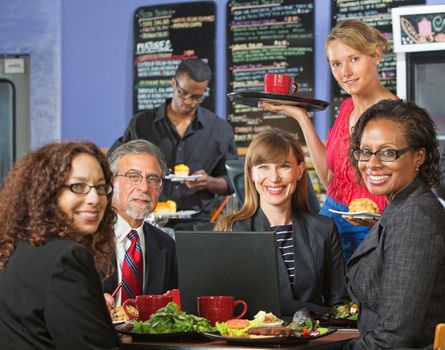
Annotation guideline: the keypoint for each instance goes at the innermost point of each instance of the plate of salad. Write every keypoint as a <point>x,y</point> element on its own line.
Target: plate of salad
<point>168,323</point>
<point>345,315</point>
<point>258,331</point>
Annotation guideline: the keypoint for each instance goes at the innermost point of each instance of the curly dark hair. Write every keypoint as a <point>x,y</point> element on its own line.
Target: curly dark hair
<point>419,130</point>
<point>29,210</point>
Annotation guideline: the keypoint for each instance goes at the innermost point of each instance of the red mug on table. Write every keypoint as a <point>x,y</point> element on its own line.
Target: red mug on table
<point>146,305</point>
<point>279,84</point>
<point>219,308</point>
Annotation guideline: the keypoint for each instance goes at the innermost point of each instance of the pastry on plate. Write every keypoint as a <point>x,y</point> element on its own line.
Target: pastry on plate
<point>181,170</point>
<point>363,205</point>
<point>165,207</point>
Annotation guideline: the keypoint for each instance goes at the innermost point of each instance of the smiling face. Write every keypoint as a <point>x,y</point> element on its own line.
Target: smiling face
<point>275,182</point>
<point>388,178</point>
<point>84,210</point>
<point>185,85</point>
<point>354,71</point>
<point>134,202</point>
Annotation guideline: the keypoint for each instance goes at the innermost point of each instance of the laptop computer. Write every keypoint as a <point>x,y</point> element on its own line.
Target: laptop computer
<point>240,264</point>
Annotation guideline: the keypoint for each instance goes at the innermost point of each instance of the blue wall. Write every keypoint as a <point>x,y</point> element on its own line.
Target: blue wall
<point>97,66</point>
<point>34,28</point>
<point>81,63</point>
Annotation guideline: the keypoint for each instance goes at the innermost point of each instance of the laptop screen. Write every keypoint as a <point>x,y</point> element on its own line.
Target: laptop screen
<point>239,264</point>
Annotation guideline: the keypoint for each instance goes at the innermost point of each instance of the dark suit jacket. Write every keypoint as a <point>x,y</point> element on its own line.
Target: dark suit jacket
<point>397,274</point>
<point>160,255</point>
<point>319,266</point>
<point>51,297</point>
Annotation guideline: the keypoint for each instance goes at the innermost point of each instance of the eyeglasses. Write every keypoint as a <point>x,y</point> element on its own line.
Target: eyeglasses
<point>135,178</point>
<point>384,155</point>
<point>83,188</point>
<point>187,95</point>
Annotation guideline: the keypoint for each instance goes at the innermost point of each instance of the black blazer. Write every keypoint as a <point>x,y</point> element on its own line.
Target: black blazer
<point>160,255</point>
<point>319,265</point>
<point>51,297</point>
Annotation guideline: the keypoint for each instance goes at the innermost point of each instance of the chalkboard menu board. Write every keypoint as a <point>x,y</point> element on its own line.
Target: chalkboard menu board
<point>376,13</point>
<point>268,36</point>
<point>164,35</point>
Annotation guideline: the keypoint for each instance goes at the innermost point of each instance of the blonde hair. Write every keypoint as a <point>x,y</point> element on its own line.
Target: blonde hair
<point>269,146</point>
<point>359,36</point>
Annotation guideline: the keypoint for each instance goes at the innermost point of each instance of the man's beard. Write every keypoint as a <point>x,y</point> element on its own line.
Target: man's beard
<point>138,212</point>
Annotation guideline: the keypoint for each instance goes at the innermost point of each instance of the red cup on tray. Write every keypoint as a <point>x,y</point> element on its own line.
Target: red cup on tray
<point>279,84</point>
<point>146,305</point>
<point>219,308</point>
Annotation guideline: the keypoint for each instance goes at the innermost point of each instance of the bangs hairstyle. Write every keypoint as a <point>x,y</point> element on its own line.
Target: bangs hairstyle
<point>359,36</point>
<point>268,149</point>
<point>418,128</point>
<point>269,146</point>
<point>29,209</point>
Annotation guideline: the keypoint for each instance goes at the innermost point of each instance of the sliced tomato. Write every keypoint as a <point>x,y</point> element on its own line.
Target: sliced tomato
<point>237,323</point>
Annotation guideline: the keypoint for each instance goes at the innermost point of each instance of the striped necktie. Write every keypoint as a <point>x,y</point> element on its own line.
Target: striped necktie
<point>132,269</point>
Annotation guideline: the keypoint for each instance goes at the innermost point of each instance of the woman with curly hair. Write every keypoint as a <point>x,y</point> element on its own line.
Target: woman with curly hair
<point>56,232</point>
<point>397,274</point>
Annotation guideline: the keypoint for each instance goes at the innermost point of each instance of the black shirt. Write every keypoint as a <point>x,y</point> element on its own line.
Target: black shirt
<point>207,143</point>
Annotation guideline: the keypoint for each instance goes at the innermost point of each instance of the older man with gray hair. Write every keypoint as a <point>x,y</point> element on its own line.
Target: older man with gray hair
<point>145,255</point>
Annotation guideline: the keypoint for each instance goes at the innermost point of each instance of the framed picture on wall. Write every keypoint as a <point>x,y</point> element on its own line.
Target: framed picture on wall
<point>419,28</point>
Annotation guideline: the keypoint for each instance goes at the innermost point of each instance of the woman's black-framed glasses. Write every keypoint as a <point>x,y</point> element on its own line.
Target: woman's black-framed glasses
<point>135,178</point>
<point>83,188</point>
<point>184,94</point>
<point>384,155</point>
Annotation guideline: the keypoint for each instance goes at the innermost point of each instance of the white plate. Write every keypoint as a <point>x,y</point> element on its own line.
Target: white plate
<point>177,178</point>
<point>356,215</point>
<point>272,324</point>
<point>182,214</point>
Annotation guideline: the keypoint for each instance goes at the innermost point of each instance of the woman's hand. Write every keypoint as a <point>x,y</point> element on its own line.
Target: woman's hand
<point>109,300</point>
<point>294,112</point>
<point>361,222</point>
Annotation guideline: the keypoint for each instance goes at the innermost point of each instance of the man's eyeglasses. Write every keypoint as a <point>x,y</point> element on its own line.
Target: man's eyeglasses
<point>184,94</point>
<point>384,155</point>
<point>83,188</point>
<point>135,178</point>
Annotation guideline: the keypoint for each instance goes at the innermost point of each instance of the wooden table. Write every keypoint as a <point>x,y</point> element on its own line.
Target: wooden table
<point>327,342</point>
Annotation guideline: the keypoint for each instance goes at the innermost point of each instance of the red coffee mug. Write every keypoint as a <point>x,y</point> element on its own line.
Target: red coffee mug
<point>279,84</point>
<point>219,308</point>
<point>146,305</point>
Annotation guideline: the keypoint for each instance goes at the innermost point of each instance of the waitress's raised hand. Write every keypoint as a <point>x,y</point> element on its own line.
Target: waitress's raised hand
<point>291,111</point>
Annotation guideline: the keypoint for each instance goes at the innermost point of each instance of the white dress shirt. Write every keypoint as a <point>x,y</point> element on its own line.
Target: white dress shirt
<point>121,230</point>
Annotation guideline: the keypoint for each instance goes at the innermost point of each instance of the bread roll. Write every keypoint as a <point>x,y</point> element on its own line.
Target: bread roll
<point>363,205</point>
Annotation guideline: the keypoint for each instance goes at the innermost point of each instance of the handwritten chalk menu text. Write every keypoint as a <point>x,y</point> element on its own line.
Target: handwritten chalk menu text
<point>164,36</point>
<point>268,36</point>
<point>376,13</point>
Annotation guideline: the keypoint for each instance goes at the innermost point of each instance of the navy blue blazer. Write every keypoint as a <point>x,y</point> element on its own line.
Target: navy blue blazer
<point>319,265</point>
<point>160,255</point>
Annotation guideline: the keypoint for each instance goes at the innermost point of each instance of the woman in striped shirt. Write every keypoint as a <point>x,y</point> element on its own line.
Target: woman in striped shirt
<point>311,263</point>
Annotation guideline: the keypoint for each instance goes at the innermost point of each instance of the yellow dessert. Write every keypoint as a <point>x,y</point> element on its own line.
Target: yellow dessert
<point>182,170</point>
<point>363,205</point>
<point>165,207</point>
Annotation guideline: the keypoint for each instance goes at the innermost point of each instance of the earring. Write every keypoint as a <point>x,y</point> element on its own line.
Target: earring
<point>416,169</point>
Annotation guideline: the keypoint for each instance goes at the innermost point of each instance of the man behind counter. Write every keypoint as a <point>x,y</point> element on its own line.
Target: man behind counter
<point>188,134</point>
